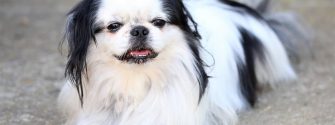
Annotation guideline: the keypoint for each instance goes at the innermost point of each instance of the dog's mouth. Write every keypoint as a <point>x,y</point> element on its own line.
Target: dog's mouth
<point>138,55</point>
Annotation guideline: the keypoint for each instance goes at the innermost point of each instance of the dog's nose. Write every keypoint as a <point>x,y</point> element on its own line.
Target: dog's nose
<point>139,31</point>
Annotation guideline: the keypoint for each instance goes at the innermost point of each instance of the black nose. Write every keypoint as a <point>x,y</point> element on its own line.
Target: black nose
<point>139,31</point>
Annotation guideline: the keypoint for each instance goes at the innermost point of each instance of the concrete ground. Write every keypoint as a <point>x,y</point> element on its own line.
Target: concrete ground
<point>31,67</point>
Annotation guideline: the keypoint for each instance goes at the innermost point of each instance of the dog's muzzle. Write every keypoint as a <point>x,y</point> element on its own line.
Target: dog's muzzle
<point>140,52</point>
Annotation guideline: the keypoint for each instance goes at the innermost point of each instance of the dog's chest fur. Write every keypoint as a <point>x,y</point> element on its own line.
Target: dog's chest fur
<point>164,92</point>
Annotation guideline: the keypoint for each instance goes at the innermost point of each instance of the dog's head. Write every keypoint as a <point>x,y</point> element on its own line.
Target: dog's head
<point>131,32</point>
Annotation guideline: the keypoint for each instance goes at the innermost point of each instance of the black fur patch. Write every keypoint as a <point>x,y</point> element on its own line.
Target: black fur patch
<point>180,17</point>
<point>80,31</point>
<point>242,8</point>
<point>253,49</point>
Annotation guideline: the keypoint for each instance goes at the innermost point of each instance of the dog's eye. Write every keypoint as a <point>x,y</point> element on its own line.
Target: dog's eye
<point>114,27</point>
<point>158,22</point>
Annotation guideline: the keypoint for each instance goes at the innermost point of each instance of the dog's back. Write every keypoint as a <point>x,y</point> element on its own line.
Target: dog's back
<point>245,47</point>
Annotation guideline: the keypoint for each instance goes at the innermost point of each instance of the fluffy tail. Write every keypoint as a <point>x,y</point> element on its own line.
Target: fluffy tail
<point>295,36</point>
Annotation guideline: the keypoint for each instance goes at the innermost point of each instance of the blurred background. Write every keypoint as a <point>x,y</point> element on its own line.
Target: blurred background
<point>31,67</point>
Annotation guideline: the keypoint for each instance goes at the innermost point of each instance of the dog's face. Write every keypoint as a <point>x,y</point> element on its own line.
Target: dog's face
<point>134,31</point>
<point>128,32</point>
<point>131,31</point>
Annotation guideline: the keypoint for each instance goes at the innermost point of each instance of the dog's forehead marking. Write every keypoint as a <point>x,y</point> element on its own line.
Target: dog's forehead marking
<point>130,10</point>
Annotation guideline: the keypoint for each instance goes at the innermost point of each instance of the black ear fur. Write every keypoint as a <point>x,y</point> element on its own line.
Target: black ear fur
<point>79,34</point>
<point>180,16</point>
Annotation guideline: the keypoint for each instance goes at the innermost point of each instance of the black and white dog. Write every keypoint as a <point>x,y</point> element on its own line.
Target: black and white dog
<point>169,62</point>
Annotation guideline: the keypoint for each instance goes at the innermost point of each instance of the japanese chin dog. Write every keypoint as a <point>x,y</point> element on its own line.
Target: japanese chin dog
<point>171,62</point>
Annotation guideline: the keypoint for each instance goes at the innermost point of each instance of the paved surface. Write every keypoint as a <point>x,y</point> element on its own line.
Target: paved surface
<point>31,67</point>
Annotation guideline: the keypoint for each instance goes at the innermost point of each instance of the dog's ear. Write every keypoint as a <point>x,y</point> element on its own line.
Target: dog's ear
<point>79,33</point>
<point>180,16</point>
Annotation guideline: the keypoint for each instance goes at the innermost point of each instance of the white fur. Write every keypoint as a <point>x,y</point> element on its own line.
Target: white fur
<point>165,91</point>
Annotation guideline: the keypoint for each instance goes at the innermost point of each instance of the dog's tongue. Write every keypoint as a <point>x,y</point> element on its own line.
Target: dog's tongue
<point>140,52</point>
